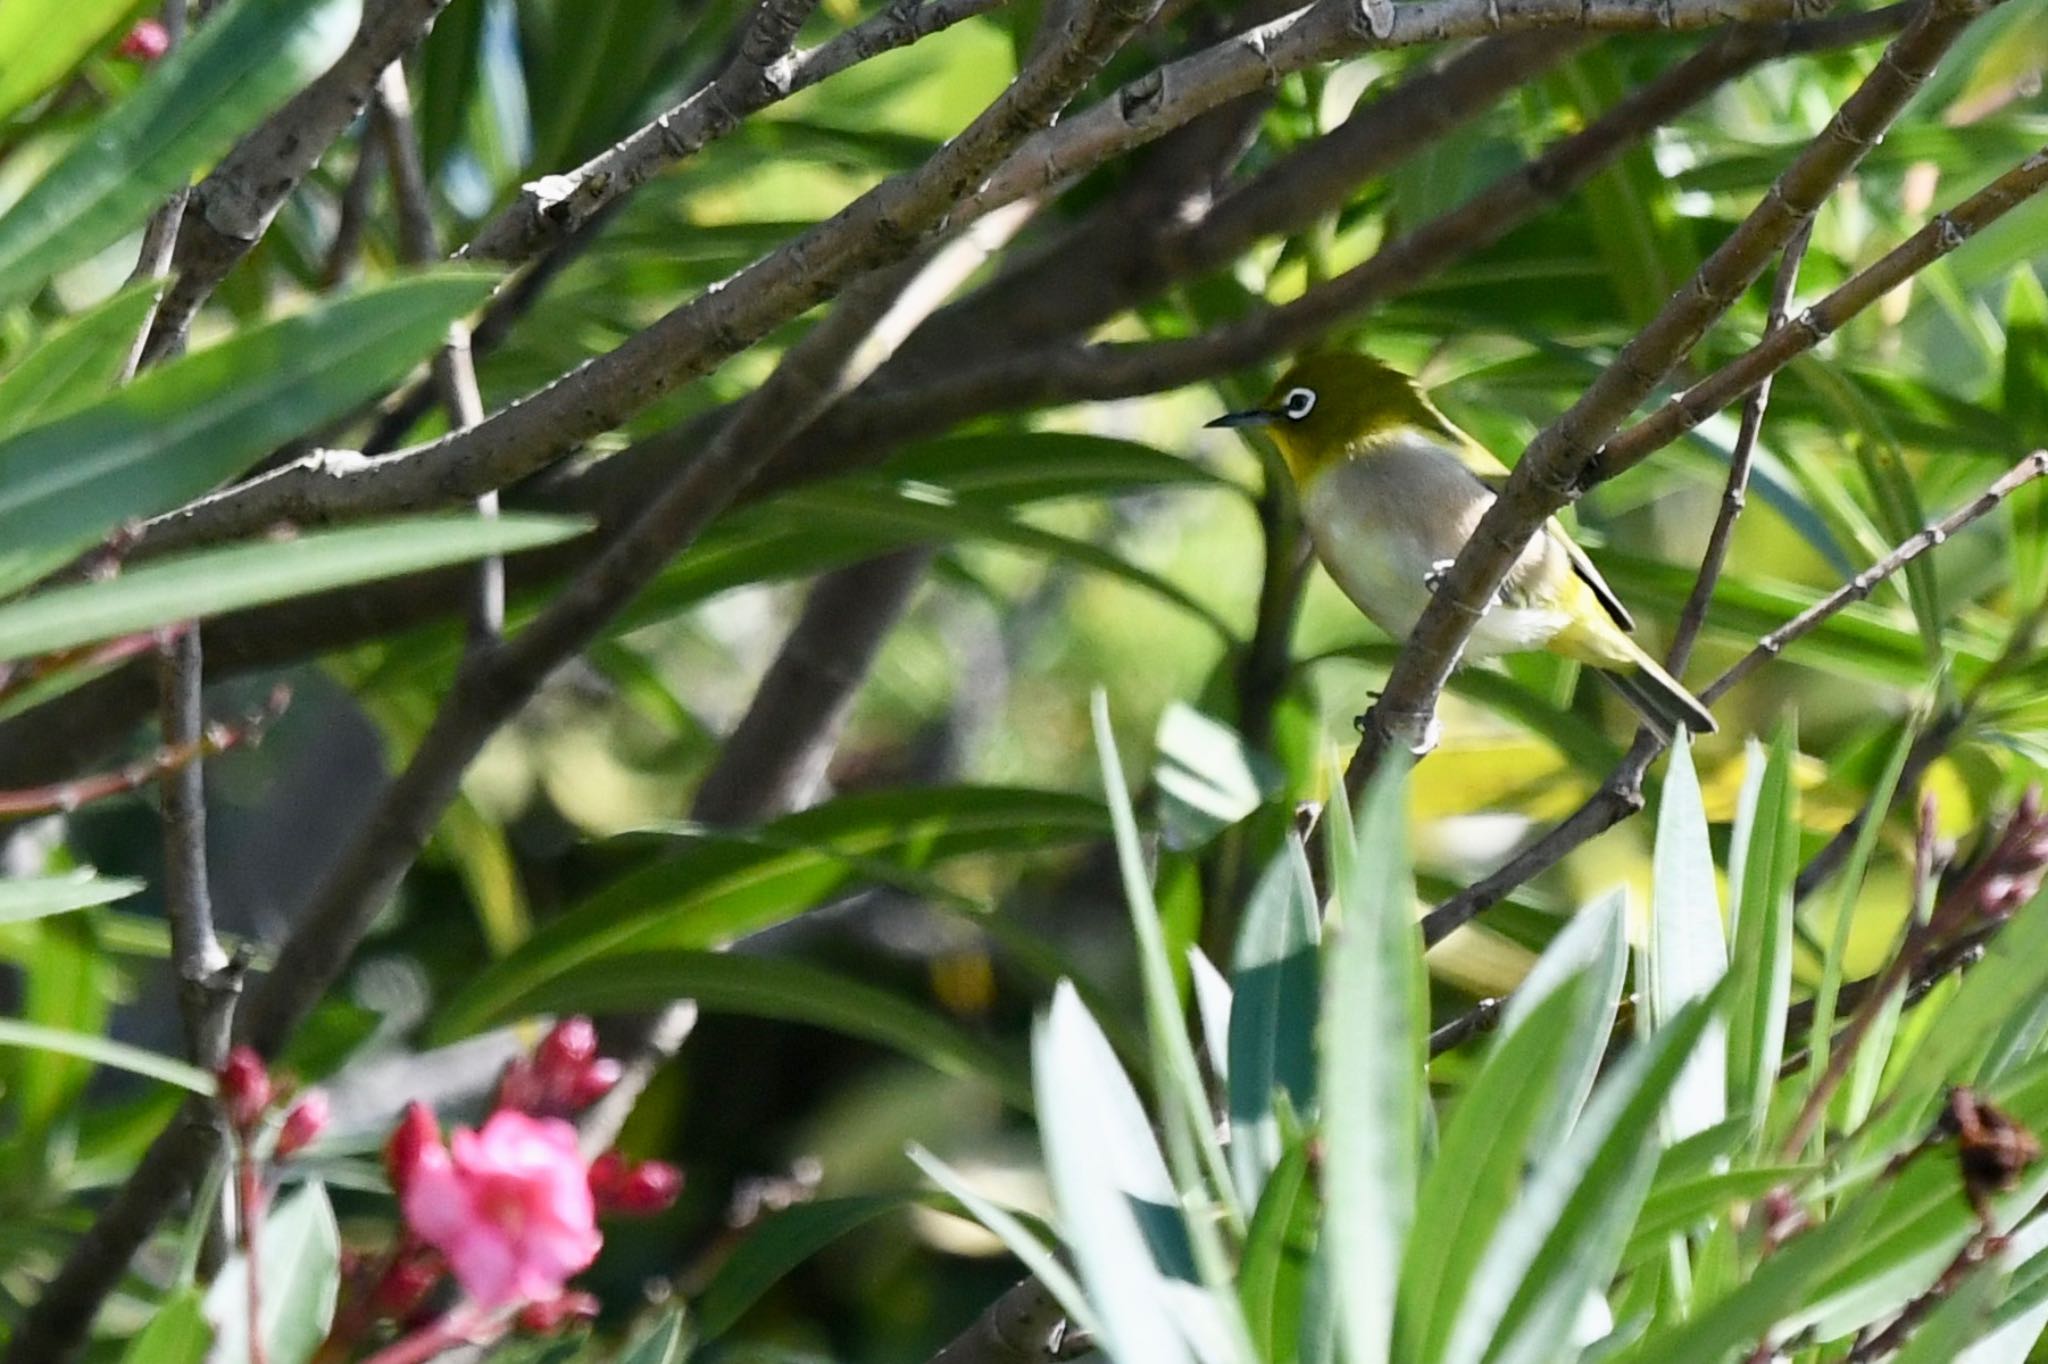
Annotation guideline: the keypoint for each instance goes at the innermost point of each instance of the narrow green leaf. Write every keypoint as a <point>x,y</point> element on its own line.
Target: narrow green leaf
<point>1594,945</point>
<point>1963,1316</point>
<point>774,987</point>
<point>1747,1315</point>
<point>1561,1240</point>
<point>1479,1165</point>
<point>1821,1030</point>
<point>212,582</point>
<point>38,897</point>
<point>2017,1325</point>
<point>719,886</point>
<point>41,40</point>
<point>78,362</point>
<point>1273,1276</point>
<point>177,1334</point>
<point>665,1342</point>
<point>185,426</point>
<point>1274,994</point>
<point>775,1246</point>
<point>2025,395</point>
<point>104,1051</point>
<point>301,1251</point>
<point>1687,954</point>
<point>247,59</point>
<point>1677,1206</point>
<point>1177,1077</point>
<point>1762,965</point>
<point>1019,1239</point>
<point>1374,1036</point>
<point>1117,1206</point>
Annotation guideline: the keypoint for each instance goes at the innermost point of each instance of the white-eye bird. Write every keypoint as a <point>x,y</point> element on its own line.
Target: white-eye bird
<point>1391,491</point>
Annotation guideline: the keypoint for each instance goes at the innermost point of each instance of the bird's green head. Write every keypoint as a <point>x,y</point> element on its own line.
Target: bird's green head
<point>1332,406</point>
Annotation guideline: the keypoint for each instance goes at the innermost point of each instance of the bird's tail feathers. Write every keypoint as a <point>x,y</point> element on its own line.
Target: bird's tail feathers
<point>1660,698</point>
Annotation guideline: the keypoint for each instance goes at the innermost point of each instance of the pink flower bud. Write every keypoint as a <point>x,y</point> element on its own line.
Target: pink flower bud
<point>519,1088</point>
<point>546,1318</point>
<point>145,42</point>
<point>414,1143</point>
<point>407,1282</point>
<point>595,1082</point>
<point>569,1046</point>
<point>305,1122</point>
<point>649,1187</point>
<point>244,1088</point>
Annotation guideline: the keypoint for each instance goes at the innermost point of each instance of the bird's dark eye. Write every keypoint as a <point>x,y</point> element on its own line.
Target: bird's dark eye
<point>1298,403</point>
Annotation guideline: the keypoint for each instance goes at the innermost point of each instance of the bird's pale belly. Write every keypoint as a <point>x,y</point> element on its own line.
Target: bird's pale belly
<point>1381,523</point>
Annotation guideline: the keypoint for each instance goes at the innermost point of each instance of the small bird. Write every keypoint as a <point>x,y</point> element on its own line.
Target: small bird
<point>1391,491</point>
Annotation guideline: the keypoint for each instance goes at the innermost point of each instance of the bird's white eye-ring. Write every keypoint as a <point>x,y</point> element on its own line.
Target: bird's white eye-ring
<point>1298,403</point>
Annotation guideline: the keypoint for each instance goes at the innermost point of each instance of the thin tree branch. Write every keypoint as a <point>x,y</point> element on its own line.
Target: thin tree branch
<point>454,366</point>
<point>1621,794</point>
<point>761,73</point>
<point>231,208</point>
<point>207,985</point>
<point>1693,618</point>
<point>1023,1326</point>
<point>1783,344</point>
<point>1552,470</point>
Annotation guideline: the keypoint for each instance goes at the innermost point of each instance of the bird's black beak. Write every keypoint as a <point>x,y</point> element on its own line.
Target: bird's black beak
<point>1257,416</point>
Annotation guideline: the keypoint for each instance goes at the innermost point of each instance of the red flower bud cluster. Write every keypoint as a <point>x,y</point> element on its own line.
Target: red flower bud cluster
<point>247,1093</point>
<point>641,1188</point>
<point>564,1076</point>
<point>507,1210</point>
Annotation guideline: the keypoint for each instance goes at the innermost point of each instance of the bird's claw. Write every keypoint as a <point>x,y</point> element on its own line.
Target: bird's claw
<point>1438,571</point>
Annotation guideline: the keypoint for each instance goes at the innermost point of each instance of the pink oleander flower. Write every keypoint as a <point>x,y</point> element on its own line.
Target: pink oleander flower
<point>509,1206</point>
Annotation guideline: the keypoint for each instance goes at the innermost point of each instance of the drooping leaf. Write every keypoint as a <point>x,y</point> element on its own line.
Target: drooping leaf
<point>1020,1240</point>
<point>185,426</point>
<point>36,897</point>
<point>212,582</point>
<point>770,987</point>
<point>1207,778</point>
<point>76,363</point>
<point>717,886</point>
<point>775,1246</point>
